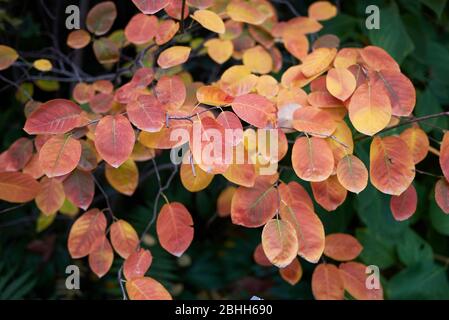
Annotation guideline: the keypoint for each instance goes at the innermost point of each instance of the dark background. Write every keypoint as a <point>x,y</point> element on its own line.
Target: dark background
<point>413,256</point>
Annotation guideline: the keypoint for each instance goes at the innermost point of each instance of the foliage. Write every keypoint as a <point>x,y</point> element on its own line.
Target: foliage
<point>361,116</point>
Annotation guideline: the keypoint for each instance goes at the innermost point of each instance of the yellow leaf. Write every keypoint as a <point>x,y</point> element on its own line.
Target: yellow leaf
<point>125,178</point>
<point>209,20</point>
<point>43,65</point>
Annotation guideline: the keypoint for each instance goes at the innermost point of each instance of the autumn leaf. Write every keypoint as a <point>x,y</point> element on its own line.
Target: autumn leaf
<point>114,139</point>
<point>79,188</point>
<point>60,155</point>
<point>444,155</point>
<point>18,187</point>
<point>101,256</point>
<point>124,238</point>
<point>78,39</point>
<point>254,109</point>
<point>279,242</point>
<point>327,283</point>
<point>209,20</point>
<point>51,196</point>
<point>85,231</point>
<point>53,117</point>
<point>354,278</point>
<point>146,289</point>
<point>442,194</point>
<point>174,227</point>
<point>7,57</point>
<point>141,28</point>
<point>352,174</point>
<point>137,264</point>
<point>417,142</point>
<point>330,194</point>
<point>101,18</point>
<point>404,205</point>
<point>125,178</point>
<point>173,56</point>
<point>292,273</point>
<point>342,247</point>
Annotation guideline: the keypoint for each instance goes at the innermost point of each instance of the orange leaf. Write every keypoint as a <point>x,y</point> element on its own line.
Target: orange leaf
<point>53,117</point>
<point>51,196</point>
<point>59,156</point>
<point>327,283</point>
<point>137,264</point>
<point>125,178</point>
<point>400,90</point>
<point>378,59</point>
<point>79,188</point>
<point>196,179</point>
<point>442,195</point>
<point>354,278</point>
<point>254,207</point>
<point>391,165</point>
<point>18,187</point>
<point>341,83</point>
<point>254,109</point>
<point>346,57</point>
<point>166,30</point>
<point>86,229</point>
<point>78,39</point>
<point>231,123</point>
<point>238,80</point>
<point>213,96</point>
<point>151,6</point>
<point>101,18</point>
<point>114,139</point>
<point>147,113</point>
<point>444,155</point>
<point>260,258</point>
<point>370,108</point>
<point>141,28</point>
<point>279,242</point>
<point>292,273</point>
<point>173,56</point>
<point>124,238</point>
<point>322,10</point>
<point>404,205</point>
<point>146,288</point>
<point>330,194</point>
<point>296,44</point>
<point>7,57</point>
<point>314,121</point>
<point>318,61</point>
<point>352,173</point>
<point>174,227</point>
<point>171,92</point>
<point>312,159</point>
<point>209,20</point>
<point>101,256</point>
<point>342,247</point>
<point>296,207</point>
<point>417,141</point>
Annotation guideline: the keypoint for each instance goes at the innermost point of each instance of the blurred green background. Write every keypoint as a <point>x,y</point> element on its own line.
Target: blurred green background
<point>413,256</point>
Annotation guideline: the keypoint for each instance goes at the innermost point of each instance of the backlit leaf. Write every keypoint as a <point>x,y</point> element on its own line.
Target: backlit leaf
<point>137,264</point>
<point>151,6</point>
<point>352,174</point>
<point>174,227</point>
<point>18,187</point>
<point>101,256</point>
<point>219,50</point>
<point>312,159</point>
<point>79,188</point>
<point>314,121</point>
<point>114,139</point>
<point>146,289</point>
<point>342,247</point>
<point>254,207</point>
<point>341,83</point>
<point>196,179</point>
<point>7,57</point>
<point>417,141</point>
<point>85,231</point>
<point>354,278</point>
<point>292,273</point>
<point>124,238</point>
<point>53,117</point>
<point>279,242</point>
<point>318,61</point>
<point>213,96</point>
<point>141,28</point>
<point>404,205</point>
<point>51,196</point>
<point>400,90</point>
<point>60,155</point>
<point>173,56</point>
<point>254,109</point>
<point>43,65</point>
<point>327,283</point>
<point>258,60</point>
<point>209,20</point>
<point>125,178</point>
<point>330,194</point>
<point>245,12</point>
<point>147,113</point>
<point>322,10</point>
<point>391,165</point>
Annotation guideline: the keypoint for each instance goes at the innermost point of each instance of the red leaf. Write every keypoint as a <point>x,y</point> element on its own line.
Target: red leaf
<point>254,109</point>
<point>404,205</point>
<point>124,238</point>
<point>59,156</point>
<point>79,188</point>
<point>85,231</point>
<point>147,113</point>
<point>51,196</point>
<point>53,117</point>
<point>114,139</point>
<point>137,264</point>
<point>174,228</point>
<point>101,256</point>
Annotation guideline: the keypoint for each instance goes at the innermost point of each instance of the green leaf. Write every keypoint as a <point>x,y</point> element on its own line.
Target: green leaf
<point>412,249</point>
<point>392,35</point>
<point>437,6</point>
<point>421,281</point>
<point>377,250</point>
<point>439,220</point>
